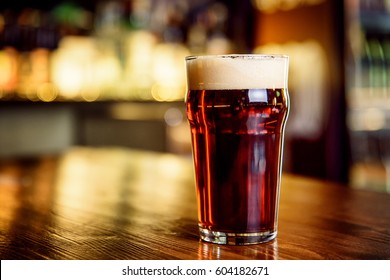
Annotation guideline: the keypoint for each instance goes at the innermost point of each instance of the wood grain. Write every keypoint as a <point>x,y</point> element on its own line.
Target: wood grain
<point>126,204</point>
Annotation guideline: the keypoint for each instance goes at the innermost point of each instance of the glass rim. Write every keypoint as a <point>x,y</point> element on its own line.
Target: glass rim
<point>240,56</point>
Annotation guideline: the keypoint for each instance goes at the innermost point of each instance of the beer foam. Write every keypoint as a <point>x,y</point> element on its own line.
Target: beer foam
<point>237,72</point>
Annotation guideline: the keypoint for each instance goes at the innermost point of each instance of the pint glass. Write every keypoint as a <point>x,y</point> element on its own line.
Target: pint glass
<point>237,107</point>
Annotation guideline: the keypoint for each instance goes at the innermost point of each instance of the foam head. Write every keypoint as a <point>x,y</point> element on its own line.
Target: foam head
<point>237,72</point>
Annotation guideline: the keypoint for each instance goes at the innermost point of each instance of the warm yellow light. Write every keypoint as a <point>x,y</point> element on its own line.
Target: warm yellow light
<point>5,66</point>
<point>105,76</point>
<point>67,74</point>
<point>270,6</point>
<point>83,69</point>
<point>47,92</point>
<point>168,72</point>
<point>40,66</point>
<point>8,69</point>
<point>374,119</point>
<point>167,93</point>
<point>137,78</point>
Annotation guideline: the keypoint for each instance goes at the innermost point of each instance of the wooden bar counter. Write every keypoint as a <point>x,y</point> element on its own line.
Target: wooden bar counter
<point>113,203</point>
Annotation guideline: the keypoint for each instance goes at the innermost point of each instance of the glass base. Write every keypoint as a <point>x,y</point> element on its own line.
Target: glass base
<point>231,238</point>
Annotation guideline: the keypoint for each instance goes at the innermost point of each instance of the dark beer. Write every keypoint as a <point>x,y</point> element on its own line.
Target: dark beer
<point>237,139</point>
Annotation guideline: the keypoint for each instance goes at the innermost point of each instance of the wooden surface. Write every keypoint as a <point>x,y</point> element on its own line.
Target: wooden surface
<point>124,204</point>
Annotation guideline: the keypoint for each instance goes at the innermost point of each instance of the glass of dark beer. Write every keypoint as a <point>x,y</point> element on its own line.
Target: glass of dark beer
<point>237,107</point>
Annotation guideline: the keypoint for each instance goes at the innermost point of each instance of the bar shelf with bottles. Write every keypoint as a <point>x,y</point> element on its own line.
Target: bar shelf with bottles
<point>71,54</point>
<point>71,71</point>
<point>119,50</point>
<point>368,92</point>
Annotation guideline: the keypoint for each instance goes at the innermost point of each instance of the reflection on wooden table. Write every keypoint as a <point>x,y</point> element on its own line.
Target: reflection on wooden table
<point>125,204</point>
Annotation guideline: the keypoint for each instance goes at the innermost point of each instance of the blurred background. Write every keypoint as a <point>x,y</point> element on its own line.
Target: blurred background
<point>111,73</point>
